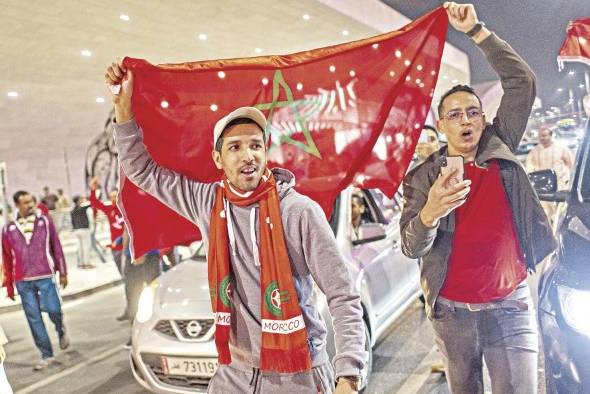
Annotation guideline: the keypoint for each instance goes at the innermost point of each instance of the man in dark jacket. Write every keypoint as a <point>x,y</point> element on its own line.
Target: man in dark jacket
<point>478,237</point>
<point>31,255</point>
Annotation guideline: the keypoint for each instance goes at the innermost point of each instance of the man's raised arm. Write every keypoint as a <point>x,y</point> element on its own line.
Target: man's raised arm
<point>189,198</point>
<point>519,85</point>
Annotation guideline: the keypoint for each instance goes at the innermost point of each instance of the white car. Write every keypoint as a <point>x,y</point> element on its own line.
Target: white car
<point>173,349</point>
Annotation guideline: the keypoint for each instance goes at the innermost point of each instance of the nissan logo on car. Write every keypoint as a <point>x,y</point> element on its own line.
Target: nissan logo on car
<point>193,328</point>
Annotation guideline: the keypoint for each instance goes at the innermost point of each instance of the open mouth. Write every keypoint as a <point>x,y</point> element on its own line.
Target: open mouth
<point>248,170</point>
<point>467,135</point>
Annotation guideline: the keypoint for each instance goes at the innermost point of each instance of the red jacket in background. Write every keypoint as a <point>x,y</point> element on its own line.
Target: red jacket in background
<point>112,212</point>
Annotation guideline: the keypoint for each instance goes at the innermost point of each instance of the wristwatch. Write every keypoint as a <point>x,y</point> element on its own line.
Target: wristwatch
<point>354,381</point>
<point>475,29</point>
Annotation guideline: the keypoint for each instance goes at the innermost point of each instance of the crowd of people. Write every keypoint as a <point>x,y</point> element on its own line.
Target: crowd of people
<point>475,239</point>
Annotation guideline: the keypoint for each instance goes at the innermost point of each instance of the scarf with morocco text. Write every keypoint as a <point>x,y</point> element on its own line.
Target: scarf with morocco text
<point>284,336</point>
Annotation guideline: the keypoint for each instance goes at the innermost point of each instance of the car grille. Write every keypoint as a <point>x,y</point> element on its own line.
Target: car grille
<point>152,361</point>
<point>165,327</point>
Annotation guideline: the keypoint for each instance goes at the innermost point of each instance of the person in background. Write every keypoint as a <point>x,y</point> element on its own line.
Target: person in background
<point>49,199</point>
<point>40,206</point>
<point>31,256</point>
<point>62,200</point>
<point>114,216</point>
<point>116,226</point>
<point>60,215</point>
<point>357,210</point>
<point>82,223</point>
<point>551,155</point>
<point>427,144</point>
<point>138,273</point>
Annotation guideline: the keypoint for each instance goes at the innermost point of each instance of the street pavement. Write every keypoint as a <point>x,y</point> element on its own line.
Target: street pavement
<point>96,362</point>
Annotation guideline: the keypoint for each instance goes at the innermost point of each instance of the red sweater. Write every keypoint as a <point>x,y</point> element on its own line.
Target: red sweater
<point>112,212</point>
<point>486,261</point>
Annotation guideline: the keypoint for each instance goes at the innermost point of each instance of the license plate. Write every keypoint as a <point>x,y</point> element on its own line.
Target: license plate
<point>201,367</point>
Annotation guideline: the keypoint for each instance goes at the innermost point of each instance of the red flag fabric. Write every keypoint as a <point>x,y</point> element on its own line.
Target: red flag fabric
<point>576,47</point>
<point>349,113</point>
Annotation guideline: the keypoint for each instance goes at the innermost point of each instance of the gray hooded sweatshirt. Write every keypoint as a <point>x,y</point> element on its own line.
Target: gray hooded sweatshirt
<point>310,242</point>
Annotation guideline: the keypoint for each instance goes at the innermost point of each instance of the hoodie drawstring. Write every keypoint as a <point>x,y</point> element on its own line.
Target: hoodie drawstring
<point>253,237</point>
<point>230,227</point>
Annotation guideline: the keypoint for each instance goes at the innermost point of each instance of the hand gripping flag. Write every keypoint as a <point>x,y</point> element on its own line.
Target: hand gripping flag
<point>349,113</point>
<point>576,47</point>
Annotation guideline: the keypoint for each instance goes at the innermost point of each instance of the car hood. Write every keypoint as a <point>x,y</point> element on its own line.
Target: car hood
<point>186,284</point>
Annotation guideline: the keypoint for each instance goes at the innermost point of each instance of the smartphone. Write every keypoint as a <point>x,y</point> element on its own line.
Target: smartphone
<point>450,163</point>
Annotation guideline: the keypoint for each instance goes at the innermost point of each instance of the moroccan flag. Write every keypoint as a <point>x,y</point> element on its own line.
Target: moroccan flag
<point>349,113</point>
<point>576,47</point>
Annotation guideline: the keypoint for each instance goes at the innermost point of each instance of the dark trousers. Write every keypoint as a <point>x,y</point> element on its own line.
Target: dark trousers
<point>117,258</point>
<point>36,296</point>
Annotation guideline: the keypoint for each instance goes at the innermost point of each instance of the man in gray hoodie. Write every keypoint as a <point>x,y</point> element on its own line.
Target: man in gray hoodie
<point>240,151</point>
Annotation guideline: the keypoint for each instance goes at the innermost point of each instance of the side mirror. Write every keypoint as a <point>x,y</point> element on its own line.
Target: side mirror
<point>369,232</point>
<point>544,181</point>
<point>545,184</point>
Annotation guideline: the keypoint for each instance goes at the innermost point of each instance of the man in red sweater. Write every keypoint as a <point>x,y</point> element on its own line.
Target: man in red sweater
<point>114,216</point>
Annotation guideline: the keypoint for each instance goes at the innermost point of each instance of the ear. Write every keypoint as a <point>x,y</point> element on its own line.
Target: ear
<point>217,159</point>
<point>440,127</point>
<point>483,119</point>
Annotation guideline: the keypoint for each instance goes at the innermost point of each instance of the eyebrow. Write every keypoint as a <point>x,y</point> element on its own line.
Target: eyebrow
<point>461,109</point>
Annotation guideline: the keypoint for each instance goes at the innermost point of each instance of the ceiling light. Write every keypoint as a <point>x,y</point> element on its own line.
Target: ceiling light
<point>375,46</point>
<point>398,53</point>
<point>258,50</point>
<point>352,73</point>
<point>86,52</point>
<point>164,104</point>
<point>571,72</point>
<point>344,32</point>
<point>203,37</point>
<point>299,86</point>
<point>332,68</point>
<point>306,17</point>
<point>100,99</point>
<point>12,94</point>
<point>419,67</point>
<point>221,74</point>
<point>455,81</point>
<point>392,73</point>
<point>124,17</point>
<point>265,81</point>
<point>560,89</point>
<point>407,62</point>
<point>214,107</point>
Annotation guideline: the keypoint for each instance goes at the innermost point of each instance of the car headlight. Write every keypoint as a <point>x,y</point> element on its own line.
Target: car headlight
<point>145,305</point>
<point>574,306</point>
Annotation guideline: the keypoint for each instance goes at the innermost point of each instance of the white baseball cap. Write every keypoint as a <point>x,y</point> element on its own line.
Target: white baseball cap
<point>251,113</point>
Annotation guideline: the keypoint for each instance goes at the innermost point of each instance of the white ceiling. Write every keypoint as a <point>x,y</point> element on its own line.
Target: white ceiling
<point>56,111</point>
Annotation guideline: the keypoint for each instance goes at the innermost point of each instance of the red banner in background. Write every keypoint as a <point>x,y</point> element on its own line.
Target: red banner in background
<point>349,113</point>
<point>576,47</point>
